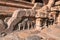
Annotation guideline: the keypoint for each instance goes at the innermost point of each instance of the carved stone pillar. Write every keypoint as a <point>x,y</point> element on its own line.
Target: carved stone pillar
<point>38,21</point>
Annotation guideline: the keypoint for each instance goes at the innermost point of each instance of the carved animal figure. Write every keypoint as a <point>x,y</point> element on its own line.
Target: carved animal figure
<point>17,17</point>
<point>23,24</point>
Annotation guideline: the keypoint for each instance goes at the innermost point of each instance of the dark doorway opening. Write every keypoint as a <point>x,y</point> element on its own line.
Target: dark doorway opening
<point>39,1</point>
<point>28,0</point>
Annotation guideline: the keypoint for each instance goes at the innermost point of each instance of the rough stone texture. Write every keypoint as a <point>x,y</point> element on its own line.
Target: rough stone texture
<point>50,33</point>
<point>11,37</point>
<point>6,19</point>
<point>30,12</point>
<point>34,37</point>
<point>51,39</point>
<point>16,17</point>
<point>53,15</point>
<point>2,25</point>
<point>56,8</point>
<point>58,19</point>
<point>37,6</point>
<point>57,3</point>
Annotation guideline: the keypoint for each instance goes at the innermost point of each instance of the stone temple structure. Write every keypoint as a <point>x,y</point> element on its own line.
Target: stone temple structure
<point>29,19</point>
